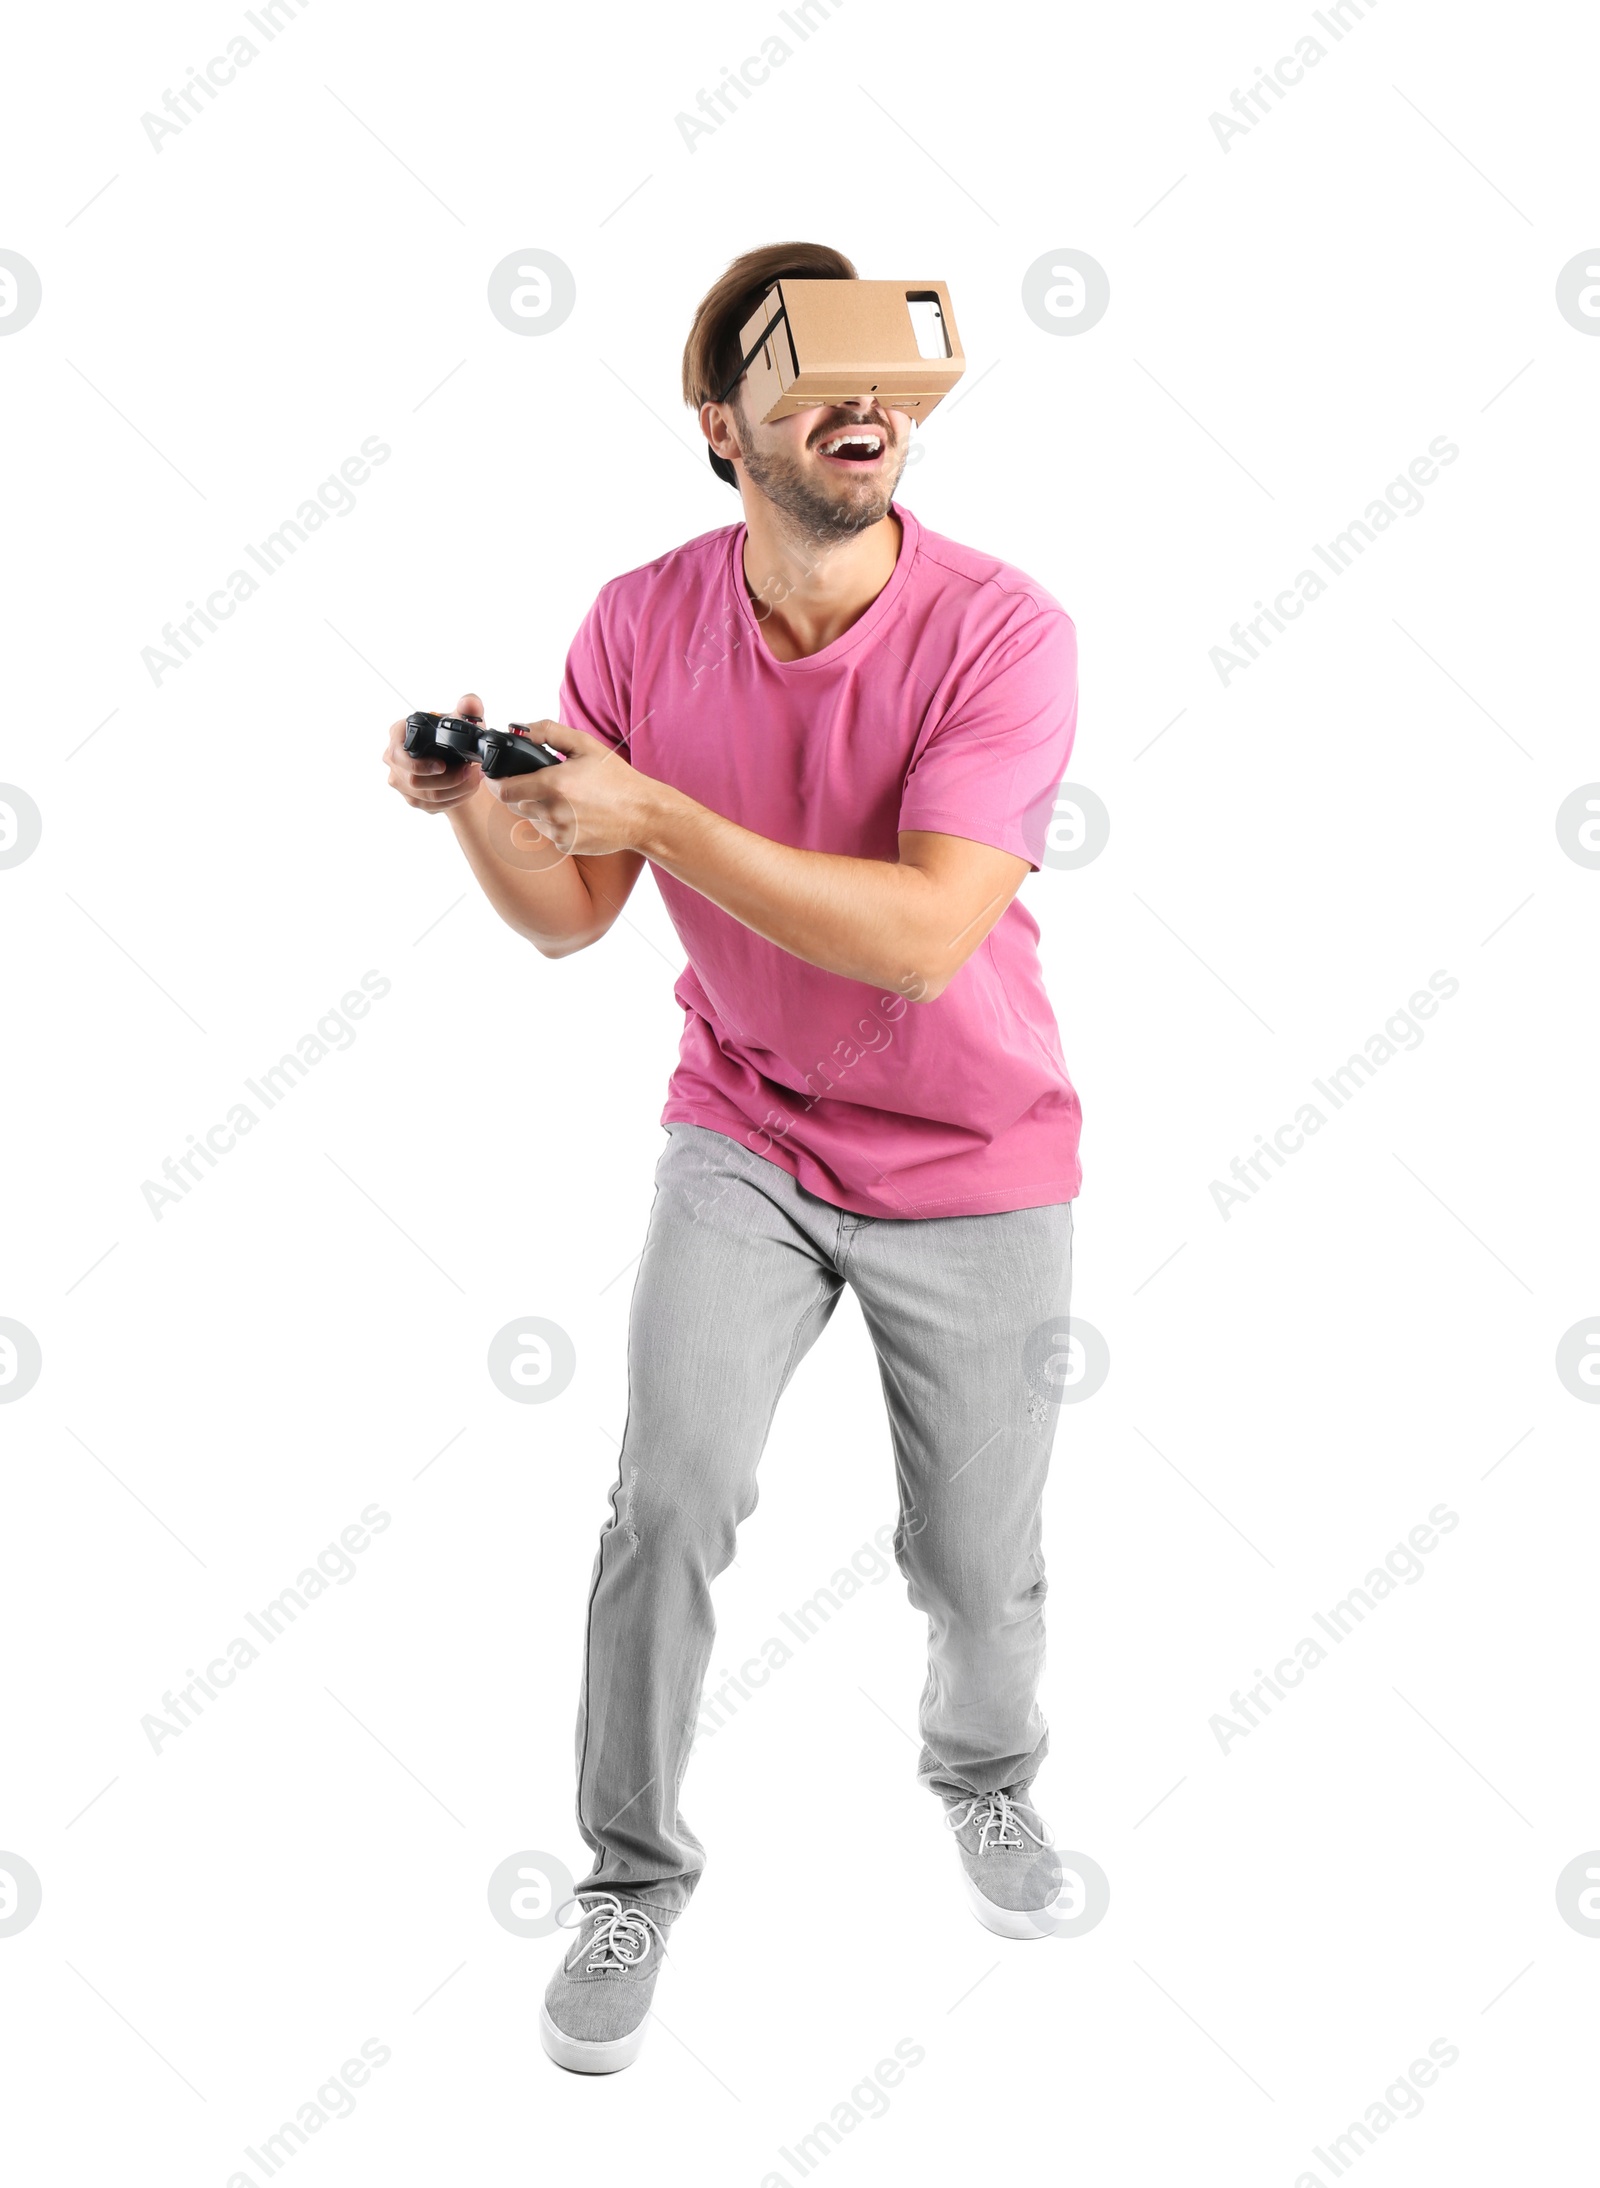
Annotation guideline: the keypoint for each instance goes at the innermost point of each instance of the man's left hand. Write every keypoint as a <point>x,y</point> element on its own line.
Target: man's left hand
<point>594,803</point>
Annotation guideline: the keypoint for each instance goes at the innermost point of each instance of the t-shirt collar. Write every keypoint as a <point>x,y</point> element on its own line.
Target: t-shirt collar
<point>860,631</point>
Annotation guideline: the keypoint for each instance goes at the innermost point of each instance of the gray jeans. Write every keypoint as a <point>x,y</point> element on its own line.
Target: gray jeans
<point>742,1268</point>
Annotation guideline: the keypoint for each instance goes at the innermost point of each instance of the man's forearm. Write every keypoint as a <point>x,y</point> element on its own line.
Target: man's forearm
<point>553,908</point>
<point>866,919</point>
<point>908,924</point>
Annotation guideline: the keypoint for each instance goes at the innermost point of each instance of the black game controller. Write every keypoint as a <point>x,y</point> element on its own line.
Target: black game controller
<point>457,741</point>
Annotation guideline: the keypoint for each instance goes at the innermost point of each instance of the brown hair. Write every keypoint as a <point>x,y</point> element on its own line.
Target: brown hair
<point>711,356</point>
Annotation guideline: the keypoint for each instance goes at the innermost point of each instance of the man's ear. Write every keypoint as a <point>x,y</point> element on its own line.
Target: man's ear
<point>723,414</point>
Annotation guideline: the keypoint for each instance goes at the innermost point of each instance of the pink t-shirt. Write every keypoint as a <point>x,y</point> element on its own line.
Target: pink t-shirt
<point>950,705</point>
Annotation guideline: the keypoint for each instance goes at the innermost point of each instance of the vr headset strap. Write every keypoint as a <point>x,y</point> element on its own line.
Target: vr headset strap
<point>779,318</point>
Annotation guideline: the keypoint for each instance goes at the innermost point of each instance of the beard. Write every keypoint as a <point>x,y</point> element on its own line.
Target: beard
<point>820,514</point>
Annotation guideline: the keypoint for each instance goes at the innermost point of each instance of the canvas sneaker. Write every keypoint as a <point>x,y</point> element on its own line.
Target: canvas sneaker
<point>1011,1875</point>
<point>597,2008</point>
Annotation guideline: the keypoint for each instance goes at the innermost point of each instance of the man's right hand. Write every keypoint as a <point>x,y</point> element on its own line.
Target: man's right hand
<point>432,786</point>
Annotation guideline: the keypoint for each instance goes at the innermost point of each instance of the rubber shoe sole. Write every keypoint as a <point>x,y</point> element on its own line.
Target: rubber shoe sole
<point>579,2057</point>
<point>1018,1922</point>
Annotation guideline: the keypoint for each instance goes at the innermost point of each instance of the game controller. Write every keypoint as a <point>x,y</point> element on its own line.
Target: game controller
<point>458,741</point>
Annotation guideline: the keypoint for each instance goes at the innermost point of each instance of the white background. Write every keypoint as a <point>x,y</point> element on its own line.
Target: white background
<point>1293,1921</point>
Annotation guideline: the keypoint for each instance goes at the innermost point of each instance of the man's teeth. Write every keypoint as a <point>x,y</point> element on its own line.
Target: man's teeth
<point>870,441</point>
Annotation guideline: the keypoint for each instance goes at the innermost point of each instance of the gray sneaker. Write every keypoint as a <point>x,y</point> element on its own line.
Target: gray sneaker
<point>597,2007</point>
<point>1011,1875</point>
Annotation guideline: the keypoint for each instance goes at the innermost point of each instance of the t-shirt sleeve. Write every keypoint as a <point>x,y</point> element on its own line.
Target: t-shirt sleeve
<point>594,687</point>
<point>990,769</point>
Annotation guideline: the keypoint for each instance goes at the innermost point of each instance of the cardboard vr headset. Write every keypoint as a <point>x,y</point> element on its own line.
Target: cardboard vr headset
<point>813,342</point>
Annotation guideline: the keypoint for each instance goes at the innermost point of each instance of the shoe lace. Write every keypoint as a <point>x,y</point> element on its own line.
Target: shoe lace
<point>621,1934</point>
<point>998,1816</point>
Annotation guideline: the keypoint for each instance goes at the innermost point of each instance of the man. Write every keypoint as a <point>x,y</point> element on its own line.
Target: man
<point>836,738</point>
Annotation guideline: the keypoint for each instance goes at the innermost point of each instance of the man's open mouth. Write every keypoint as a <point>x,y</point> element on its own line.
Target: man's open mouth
<point>854,445</point>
